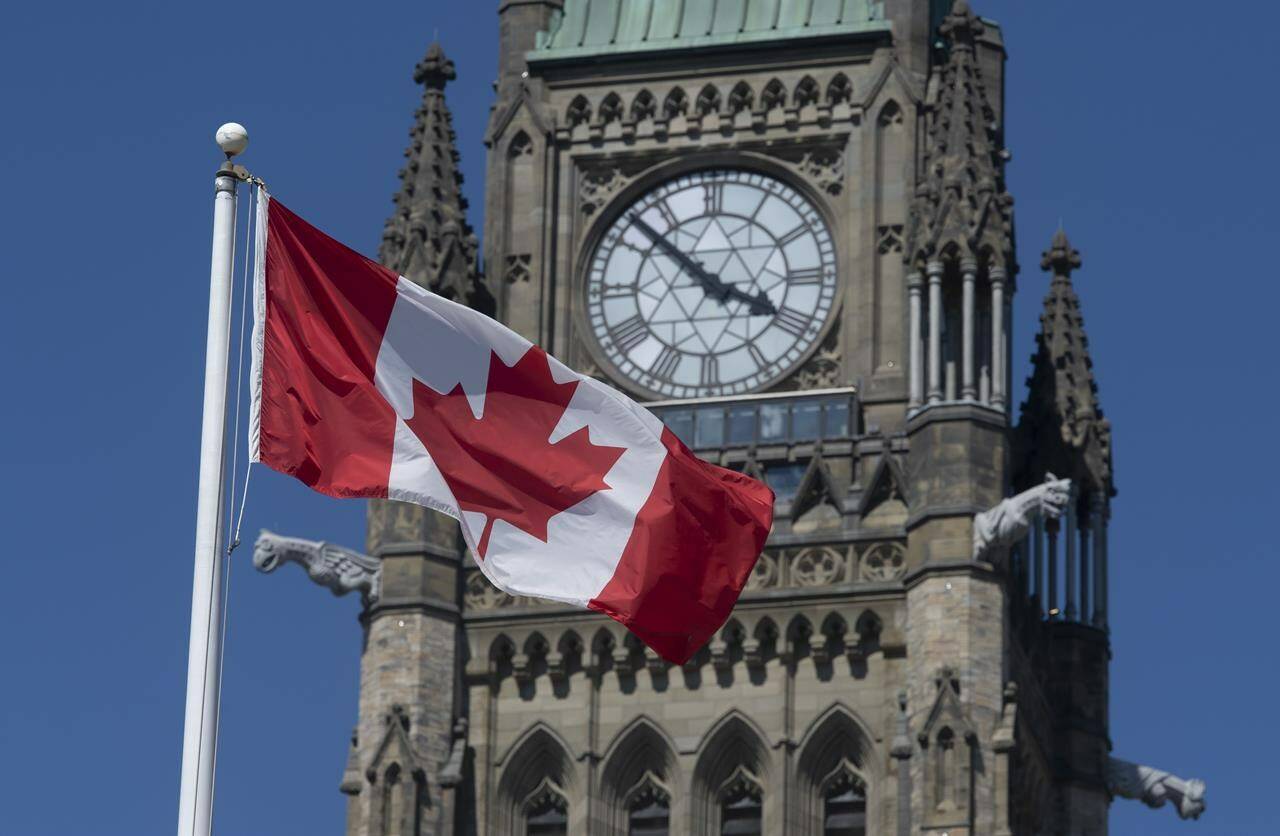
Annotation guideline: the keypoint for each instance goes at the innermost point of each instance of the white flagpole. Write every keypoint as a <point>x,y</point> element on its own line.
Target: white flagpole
<point>195,813</point>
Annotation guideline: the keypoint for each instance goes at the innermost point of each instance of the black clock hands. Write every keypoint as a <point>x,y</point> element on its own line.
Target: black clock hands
<point>759,304</point>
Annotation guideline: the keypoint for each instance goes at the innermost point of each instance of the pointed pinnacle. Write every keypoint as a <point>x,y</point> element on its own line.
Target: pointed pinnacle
<point>1061,257</point>
<point>435,70</point>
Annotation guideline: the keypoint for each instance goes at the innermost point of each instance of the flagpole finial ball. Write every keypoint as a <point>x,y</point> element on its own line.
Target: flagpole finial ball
<point>232,138</point>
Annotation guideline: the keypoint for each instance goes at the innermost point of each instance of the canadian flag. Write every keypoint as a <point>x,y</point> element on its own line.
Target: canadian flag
<point>367,385</point>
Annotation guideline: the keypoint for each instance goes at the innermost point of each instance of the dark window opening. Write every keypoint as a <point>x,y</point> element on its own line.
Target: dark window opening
<point>741,814</point>
<point>548,817</point>
<point>649,817</point>
<point>844,808</point>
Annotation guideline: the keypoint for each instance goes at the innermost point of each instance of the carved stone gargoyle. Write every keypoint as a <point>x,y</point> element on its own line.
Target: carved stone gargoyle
<point>1153,787</point>
<point>1008,522</point>
<point>340,570</point>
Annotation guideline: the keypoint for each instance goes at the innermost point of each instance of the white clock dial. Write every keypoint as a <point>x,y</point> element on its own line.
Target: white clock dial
<point>713,283</point>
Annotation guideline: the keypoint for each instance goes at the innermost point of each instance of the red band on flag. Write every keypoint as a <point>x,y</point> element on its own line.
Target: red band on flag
<point>327,307</point>
<point>695,542</point>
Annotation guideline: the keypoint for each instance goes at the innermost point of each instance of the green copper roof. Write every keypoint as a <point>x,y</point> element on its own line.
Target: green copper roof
<point>606,27</point>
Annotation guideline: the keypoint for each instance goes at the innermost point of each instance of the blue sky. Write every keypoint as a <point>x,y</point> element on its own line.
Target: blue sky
<point>1146,128</point>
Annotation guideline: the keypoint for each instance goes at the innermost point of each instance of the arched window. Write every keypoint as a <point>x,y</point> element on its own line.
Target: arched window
<point>535,786</point>
<point>844,806</point>
<point>832,764</point>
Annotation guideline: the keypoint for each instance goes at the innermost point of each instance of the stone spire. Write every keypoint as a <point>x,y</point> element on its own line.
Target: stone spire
<point>1062,405</point>
<point>961,203</point>
<point>427,238</point>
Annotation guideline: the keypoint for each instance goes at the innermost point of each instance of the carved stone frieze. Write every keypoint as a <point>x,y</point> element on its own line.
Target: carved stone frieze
<point>883,562</point>
<point>765,573</point>
<point>817,566</point>
<point>822,369</point>
<point>597,186</point>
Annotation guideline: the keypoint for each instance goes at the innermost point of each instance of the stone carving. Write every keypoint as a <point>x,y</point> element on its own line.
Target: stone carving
<point>807,93</point>
<point>579,112</point>
<point>740,97</point>
<point>676,104</point>
<point>643,106</point>
<point>610,109</point>
<point>597,186</point>
<point>1007,523</point>
<point>883,562</point>
<point>840,90</point>
<point>764,574</point>
<point>482,595</point>
<point>708,101</point>
<point>889,239</point>
<point>1154,787</point>
<point>822,370</point>
<point>516,268</point>
<point>773,97</point>
<point>817,566</point>
<point>341,570</point>
<point>825,167</point>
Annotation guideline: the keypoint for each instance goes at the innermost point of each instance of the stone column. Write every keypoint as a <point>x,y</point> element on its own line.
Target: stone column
<point>1037,565</point>
<point>997,276</point>
<point>1051,599</point>
<point>916,358</point>
<point>1099,511</point>
<point>1085,524</point>
<point>969,272</point>
<point>1069,571</point>
<point>934,270</point>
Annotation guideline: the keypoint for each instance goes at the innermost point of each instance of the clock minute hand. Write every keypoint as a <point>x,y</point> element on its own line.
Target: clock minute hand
<point>710,283</point>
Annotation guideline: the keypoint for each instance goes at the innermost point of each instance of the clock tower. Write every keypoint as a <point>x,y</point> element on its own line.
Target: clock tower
<point>783,225</point>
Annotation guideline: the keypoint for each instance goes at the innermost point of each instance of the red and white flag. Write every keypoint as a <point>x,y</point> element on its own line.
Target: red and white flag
<point>366,385</point>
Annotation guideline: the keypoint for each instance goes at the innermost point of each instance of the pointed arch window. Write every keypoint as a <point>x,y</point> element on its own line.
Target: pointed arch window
<point>741,805</point>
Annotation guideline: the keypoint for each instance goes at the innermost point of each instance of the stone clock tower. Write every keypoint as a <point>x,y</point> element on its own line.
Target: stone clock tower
<point>784,224</point>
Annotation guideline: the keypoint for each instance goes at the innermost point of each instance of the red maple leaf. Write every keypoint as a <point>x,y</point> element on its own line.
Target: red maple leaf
<point>503,465</point>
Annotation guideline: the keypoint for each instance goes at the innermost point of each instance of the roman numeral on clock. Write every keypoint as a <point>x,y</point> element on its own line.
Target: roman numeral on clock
<point>713,197</point>
<point>793,322</point>
<point>629,333</point>
<point>813,275</point>
<point>666,363</point>
<point>793,235</point>
<point>667,215</point>
<point>757,356</point>
<point>710,370</point>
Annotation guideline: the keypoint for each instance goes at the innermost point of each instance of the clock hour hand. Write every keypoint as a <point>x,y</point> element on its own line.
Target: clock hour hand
<point>710,283</point>
<point>759,304</point>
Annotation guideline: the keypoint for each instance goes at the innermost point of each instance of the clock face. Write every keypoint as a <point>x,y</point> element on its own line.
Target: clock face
<point>713,283</point>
